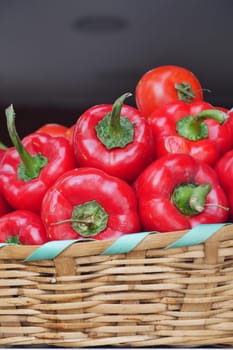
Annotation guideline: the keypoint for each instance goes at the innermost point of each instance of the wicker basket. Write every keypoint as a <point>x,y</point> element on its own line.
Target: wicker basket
<point>149,297</point>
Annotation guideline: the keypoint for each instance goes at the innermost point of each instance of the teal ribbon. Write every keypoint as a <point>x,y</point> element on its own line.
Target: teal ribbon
<point>125,243</point>
<point>196,235</point>
<point>51,249</point>
<point>3,244</point>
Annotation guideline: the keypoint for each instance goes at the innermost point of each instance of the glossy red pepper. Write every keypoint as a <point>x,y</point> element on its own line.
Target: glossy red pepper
<point>224,169</point>
<point>194,128</point>
<point>87,202</point>
<point>177,192</point>
<point>53,129</point>
<point>114,138</point>
<point>32,166</point>
<point>22,227</point>
<point>4,206</point>
<point>70,133</point>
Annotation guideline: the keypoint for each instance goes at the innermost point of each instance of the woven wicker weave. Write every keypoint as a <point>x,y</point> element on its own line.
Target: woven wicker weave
<point>149,297</point>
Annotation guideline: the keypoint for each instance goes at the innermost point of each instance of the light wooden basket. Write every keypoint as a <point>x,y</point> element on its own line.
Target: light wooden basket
<point>149,297</point>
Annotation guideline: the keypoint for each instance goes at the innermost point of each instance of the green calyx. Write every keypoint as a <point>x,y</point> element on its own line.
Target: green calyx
<point>113,130</point>
<point>184,92</point>
<point>190,198</point>
<point>194,128</point>
<point>88,219</point>
<point>13,240</point>
<point>31,165</point>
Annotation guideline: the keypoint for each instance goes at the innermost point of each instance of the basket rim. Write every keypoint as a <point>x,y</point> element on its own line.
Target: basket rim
<point>153,241</point>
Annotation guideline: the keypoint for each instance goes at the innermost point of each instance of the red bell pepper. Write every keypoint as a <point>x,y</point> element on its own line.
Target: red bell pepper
<point>53,129</point>
<point>87,202</point>
<point>4,206</point>
<point>177,192</point>
<point>114,138</point>
<point>224,169</point>
<point>32,166</point>
<point>70,133</point>
<point>194,128</point>
<point>22,227</point>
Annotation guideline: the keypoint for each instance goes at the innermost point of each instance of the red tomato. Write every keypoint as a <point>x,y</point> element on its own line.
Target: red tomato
<point>166,84</point>
<point>53,129</point>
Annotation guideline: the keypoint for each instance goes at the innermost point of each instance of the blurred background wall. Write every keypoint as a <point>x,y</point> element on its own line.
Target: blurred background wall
<point>60,57</point>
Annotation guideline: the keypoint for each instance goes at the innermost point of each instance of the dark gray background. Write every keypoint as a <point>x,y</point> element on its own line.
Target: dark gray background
<point>60,57</point>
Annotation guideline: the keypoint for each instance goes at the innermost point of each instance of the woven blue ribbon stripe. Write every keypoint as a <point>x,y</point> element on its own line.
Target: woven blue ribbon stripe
<point>197,235</point>
<point>126,243</point>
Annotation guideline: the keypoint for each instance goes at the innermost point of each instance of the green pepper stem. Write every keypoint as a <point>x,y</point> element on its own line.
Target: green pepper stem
<point>88,219</point>
<point>217,205</point>
<point>190,198</point>
<point>116,111</point>
<point>193,127</point>
<point>85,222</point>
<point>198,197</point>
<point>24,155</point>
<point>215,114</point>
<point>113,130</point>
<point>32,164</point>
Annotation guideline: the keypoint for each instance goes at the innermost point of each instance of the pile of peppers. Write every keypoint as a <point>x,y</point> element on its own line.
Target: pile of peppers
<point>118,171</point>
